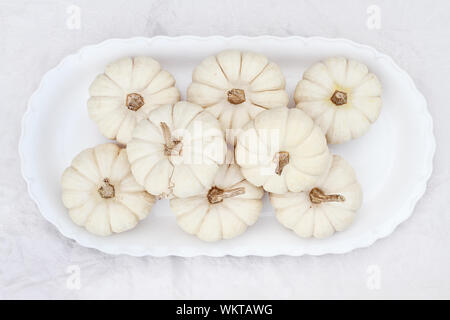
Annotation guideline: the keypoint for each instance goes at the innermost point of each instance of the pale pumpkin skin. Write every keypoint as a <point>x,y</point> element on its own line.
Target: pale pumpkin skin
<point>282,132</point>
<point>342,97</point>
<point>236,86</point>
<point>185,164</point>
<point>213,218</point>
<point>102,194</point>
<point>313,217</point>
<point>126,92</point>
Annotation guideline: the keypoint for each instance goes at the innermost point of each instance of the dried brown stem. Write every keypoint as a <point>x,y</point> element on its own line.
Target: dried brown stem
<point>216,195</point>
<point>107,190</point>
<point>317,196</point>
<point>282,159</point>
<point>134,101</point>
<point>339,98</point>
<point>236,96</point>
<point>171,145</point>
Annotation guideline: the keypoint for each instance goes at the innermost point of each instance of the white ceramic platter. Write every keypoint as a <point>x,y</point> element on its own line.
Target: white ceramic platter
<point>393,161</point>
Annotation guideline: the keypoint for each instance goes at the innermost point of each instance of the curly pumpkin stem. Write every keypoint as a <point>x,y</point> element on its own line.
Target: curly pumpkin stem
<point>339,98</point>
<point>107,190</point>
<point>172,146</point>
<point>236,96</point>
<point>134,101</point>
<point>216,195</point>
<point>317,196</point>
<point>282,159</point>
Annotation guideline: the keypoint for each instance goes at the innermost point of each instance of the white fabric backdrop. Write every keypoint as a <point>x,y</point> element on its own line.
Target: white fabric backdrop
<point>37,262</point>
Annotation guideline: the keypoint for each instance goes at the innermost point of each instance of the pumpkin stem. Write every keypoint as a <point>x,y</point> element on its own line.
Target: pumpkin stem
<point>134,101</point>
<point>172,146</point>
<point>216,195</point>
<point>282,159</point>
<point>339,98</point>
<point>317,196</point>
<point>236,96</point>
<point>107,190</point>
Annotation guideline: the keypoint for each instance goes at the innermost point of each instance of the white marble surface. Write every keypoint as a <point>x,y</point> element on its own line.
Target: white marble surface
<point>36,261</point>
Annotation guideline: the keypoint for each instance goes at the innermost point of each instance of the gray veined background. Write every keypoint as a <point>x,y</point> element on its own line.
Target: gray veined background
<point>37,262</point>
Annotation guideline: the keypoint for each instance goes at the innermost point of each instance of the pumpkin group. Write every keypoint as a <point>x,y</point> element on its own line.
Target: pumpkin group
<point>178,150</point>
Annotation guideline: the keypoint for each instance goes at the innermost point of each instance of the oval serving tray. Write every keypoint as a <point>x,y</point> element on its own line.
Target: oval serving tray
<point>393,161</point>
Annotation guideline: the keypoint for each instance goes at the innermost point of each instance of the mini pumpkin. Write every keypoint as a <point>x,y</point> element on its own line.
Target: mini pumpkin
<point>282,150</point>
<point>128,90</point>
<point>177,150</point>
<point>342,97</point>
<point>101,193</point>
<point>329,206</point>
<point>236,86</point>
<point>224,210</point>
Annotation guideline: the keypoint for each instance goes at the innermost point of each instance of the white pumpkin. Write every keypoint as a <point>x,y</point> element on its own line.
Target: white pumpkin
<point>236,86</point>
<point>282,150</point>
<point>341,96</point>
<point>101,193</point>
<point>177,150</point>
<point>329,206</point>
<point>128,90</point>
<point>222,211</point>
